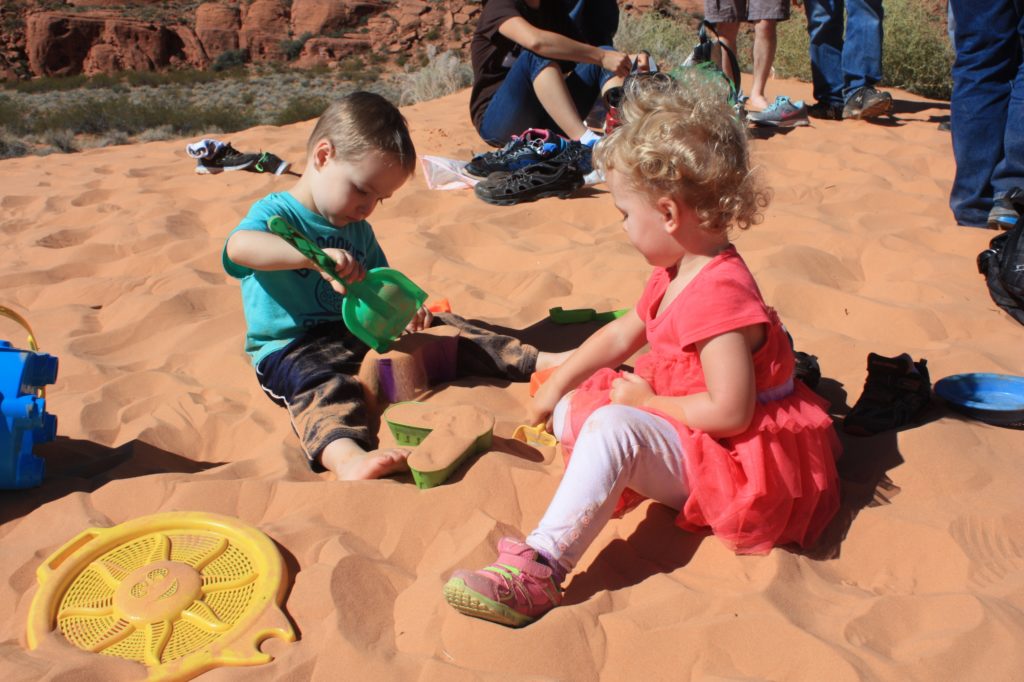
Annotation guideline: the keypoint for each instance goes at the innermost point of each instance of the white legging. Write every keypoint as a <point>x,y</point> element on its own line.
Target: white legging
<point>617,447</point>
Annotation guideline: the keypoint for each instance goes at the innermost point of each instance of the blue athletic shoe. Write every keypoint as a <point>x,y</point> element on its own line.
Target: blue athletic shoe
<point>532,146</point>
<point>1003,215</point>
<point>782,113</point>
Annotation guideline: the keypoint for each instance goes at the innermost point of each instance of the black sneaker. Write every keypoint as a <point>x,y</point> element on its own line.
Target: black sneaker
<point>826,110</point>
<point>896,392</point>
<point>867,102</point>
<point>269,163</point>
<point>1003,215</point>
<point>226,158</point>
<point>535,144</point>
<point>550,178</point>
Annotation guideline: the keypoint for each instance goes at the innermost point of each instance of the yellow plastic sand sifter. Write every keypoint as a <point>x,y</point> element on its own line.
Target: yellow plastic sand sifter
<point>180,592</point>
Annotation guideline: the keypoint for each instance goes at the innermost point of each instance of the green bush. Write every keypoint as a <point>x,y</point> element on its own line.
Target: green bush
<point>61,140</point>
<point>231,59</point>
<point>98,115</point>
<point>917,55</point>
<point>292,48</point>
<point>300,109</point>
<point>10,145</point>
<point>441,75</point>
<point>669,41</point>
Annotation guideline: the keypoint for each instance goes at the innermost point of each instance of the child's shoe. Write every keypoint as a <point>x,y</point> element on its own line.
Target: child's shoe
<point>896,391</point>
<point>515,590</point>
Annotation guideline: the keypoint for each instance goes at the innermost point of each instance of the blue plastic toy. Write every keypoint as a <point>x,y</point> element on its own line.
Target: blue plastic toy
<point>24,422</point>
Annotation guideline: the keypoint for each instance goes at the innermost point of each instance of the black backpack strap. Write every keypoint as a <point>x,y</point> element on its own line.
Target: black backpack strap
<point>734,64</point>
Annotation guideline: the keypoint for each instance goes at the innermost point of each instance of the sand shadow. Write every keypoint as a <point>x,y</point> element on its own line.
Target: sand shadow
<point>292,567</point>
<point>545,334</point>
<point>657,545</point>
<point>765,132</point>
<point>863,474</point>
<point>902,106</point>
<point>83,466</point>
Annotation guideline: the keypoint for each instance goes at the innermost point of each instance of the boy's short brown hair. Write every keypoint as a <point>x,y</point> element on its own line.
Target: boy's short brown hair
<point>363,122</point>
<point>681,138</point>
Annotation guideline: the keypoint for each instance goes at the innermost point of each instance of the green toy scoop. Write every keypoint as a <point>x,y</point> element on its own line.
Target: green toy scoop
<point>376,310</point>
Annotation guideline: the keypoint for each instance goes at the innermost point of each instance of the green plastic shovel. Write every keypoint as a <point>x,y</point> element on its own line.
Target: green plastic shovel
<point>576,315</point>
<point>376,310</point>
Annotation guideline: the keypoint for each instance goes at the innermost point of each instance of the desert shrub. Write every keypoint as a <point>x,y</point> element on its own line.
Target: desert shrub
<point>292,48</point>
<point>10,145</point>
<point>917,55</point>
<point>112,139</point>
<point>98,115</point>
<point>11,115</point>
<point>668,40</point>
<point>443,74</point>
<point>230,59</point>
<point>62,140</point>
<point>164,132</point>
<point>300,108</point>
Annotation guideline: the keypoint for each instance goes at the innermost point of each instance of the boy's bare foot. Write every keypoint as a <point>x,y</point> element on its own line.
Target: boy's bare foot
<point>349,462</point>
<point>547,360</point>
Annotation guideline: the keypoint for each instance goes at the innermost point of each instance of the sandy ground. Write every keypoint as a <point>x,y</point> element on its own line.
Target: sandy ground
<point>114,256</point>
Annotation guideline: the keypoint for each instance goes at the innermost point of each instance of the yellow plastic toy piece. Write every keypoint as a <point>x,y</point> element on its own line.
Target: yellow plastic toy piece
<point>534,435</point>
<point>180,592</point>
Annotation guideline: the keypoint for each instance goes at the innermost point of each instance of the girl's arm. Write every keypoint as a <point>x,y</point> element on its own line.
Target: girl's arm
<point>556,46</point>
<point>610,346</point>
<point>727,407</point>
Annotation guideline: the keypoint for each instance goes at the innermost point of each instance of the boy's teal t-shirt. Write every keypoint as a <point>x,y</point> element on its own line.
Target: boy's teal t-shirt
<point>281,305</point>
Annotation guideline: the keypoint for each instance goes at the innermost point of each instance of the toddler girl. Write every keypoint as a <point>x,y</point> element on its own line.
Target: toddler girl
<point>711,422</point>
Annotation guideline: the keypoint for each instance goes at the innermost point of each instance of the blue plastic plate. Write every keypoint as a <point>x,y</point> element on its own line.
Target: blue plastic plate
<point>993,398</point>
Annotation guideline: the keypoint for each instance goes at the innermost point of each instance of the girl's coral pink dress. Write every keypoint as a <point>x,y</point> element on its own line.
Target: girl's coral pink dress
<point>773,484</point>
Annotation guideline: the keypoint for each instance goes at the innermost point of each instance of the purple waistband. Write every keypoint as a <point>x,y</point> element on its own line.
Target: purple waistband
<point>776,392</point>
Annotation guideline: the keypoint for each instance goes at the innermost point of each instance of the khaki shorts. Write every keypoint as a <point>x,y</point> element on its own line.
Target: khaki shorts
<point>730,11</point>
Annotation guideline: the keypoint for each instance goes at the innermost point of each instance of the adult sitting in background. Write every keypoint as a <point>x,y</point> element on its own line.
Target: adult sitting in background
<point>987,111</point>
<point>538,64</point>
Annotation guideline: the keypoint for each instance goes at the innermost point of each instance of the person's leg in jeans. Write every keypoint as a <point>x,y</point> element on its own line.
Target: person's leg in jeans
<point>535,94</point>
<point>987,64</point>
<point>315,379</point>
<point>862,49</point>
<point>1009,172</point>
<point>515,107</point>
<point>618,447</point>
<point>825,30</point>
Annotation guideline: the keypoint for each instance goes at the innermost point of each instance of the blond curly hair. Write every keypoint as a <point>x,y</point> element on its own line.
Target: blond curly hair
<point>680,137</point>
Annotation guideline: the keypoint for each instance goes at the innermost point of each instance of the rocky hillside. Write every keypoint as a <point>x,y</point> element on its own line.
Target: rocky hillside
<point>68,37</point>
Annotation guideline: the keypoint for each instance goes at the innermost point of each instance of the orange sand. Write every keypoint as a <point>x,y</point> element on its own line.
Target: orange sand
<point>114,256</point>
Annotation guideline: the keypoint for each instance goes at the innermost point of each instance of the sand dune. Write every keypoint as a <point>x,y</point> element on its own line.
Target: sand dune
<point>114,256</point>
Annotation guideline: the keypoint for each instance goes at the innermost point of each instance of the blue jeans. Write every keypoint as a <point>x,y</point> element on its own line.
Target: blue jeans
<point>515,106</point>
<point>987,107</point>
<point>842,64</point>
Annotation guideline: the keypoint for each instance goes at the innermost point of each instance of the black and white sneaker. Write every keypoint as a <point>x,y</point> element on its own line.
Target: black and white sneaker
<point>227,158</point>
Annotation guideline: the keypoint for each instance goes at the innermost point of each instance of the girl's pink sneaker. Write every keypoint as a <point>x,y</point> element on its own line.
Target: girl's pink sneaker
<point>514,590</point>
